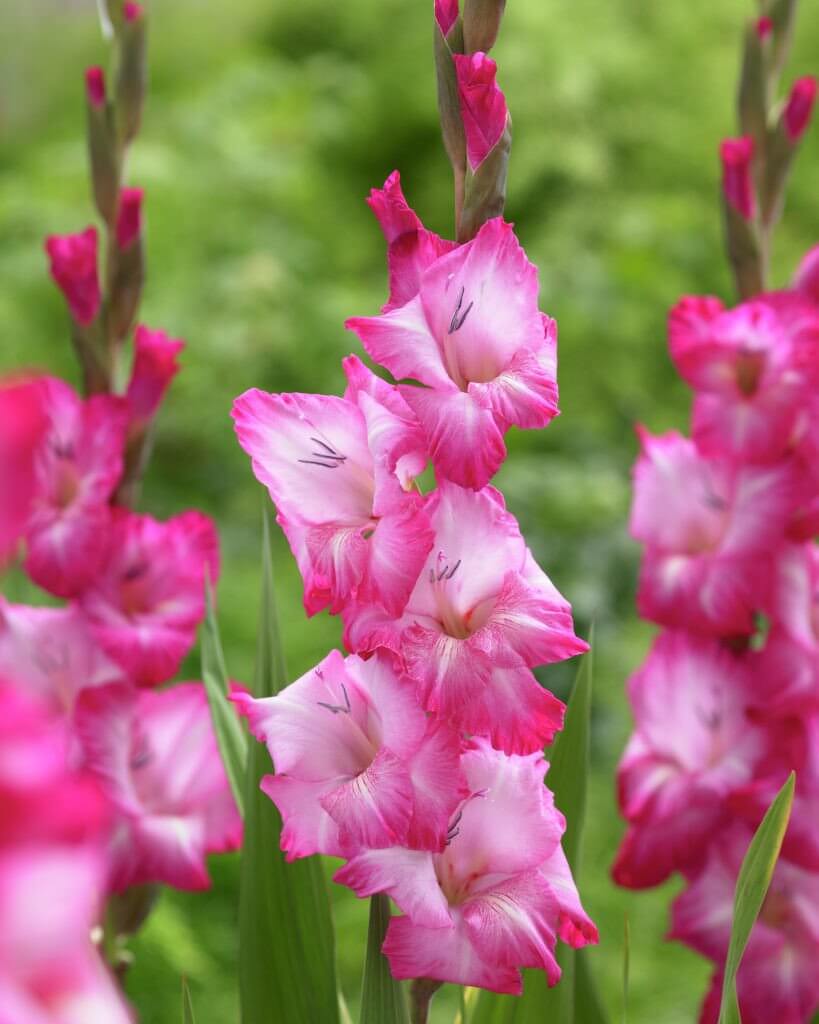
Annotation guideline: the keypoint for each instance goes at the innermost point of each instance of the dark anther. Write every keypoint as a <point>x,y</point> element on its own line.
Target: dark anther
<point>344,709</point>
<point>453,570</point>
<point>458,318</point>
<point>62,449</point>
<point>135,571</point>
<point>445,573</point>
<point>140,759</point>
<point>453,829</point>
<point>329,458</point>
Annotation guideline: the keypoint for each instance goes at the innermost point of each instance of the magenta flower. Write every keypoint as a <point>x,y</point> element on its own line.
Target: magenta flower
<point>777,978</point>
<point>799,107</point>
<point>481,615</point>
<point>357,762</point>
<point>155,756</point>
<point>77,466</point>
<point>753,369</point>
<point>411,248</point>
<point>446,14</point>
<point>475,338</point>
<point>737,178</point>
<point>155,366</point>
<point>53,650</point>
<point>340,471</point>
<point>74,269</point>
<point>694,745</point>
<point>710,528</point>
<point>145,605</point>
<point>52,826</point>
<point>483,107</point>
<point>496,899</point>
<point>24,422</point>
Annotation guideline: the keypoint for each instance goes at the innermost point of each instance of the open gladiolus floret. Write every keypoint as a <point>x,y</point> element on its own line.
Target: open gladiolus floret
<point>418,757</point>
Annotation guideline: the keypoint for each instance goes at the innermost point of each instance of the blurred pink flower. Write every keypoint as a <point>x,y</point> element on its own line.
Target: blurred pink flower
<point>24,422</point>
<point>711,530</point>
<point>693,745</point>
<point>144,606</point>
<point>340,471</point>
<point>496,899</point>
<point>357,762</point>
<point>475,338</point>
<point>156,759</point>
<point>74,269</point>
<point>777,979</point>
<point>77,466</point>
<point>480,616</point>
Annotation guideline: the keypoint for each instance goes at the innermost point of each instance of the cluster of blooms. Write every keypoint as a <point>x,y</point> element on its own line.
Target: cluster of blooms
<point>418,757</point>
<point>727,701</point>
<point>132,591</point>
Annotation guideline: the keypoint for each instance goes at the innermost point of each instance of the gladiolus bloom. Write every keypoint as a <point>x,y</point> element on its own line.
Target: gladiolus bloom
<point>145,605</point>
<point>340,471</point>
<point>480,616</point>
<point>156,758</point>
<point>496,899</point>
<point>483,107</point>
<point>475,339</point>
<point>357,763</point>
<point>155,366</point>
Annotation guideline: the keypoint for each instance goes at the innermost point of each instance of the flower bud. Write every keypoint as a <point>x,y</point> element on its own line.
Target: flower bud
<point>482,20</point>
<point>753,96</point>
<point>483,106</point>
<point>446,14</point>
<point>74,269</point>
<point>102,145</point>
<point>129,217</point>
<point>737,181</point>
<point>799,108</point>
<point>132,76</point>
<point>764,28</point>
<point>155,366</point>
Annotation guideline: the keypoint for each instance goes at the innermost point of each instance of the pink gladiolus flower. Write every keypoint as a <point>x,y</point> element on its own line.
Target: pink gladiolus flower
<point>74,269</point>
<point>357,762</point>
<point>411,248</point>
<point>155,366</point>
<point>145,605</point>
<point>694,744</point>
<point>710,529</point>
<point>475,338</point>
<point>496,899</point>
<point>52,825</point>
<point>483,106</point>
<point>446,14</point>
<point>24,422</point>
<point>737,181</point>
<point>753,369</point>
<point>53,651</point>
<point>95,86</point>
<point>777,978</point>
<point>799,108</point>
<point>340,471</point>
<point>77,466</point>
<point>156,757</point>
<point>481,615</point>
<point>129,216</point>
<point>806,280</point>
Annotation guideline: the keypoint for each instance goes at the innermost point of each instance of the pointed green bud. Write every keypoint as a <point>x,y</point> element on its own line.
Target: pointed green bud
<point>132,73</point>
<point>102,146</point>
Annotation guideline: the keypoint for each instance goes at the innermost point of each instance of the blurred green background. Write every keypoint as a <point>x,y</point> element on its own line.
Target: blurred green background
<point>267,124</point>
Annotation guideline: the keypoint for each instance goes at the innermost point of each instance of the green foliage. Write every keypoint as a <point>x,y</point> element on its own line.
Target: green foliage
<point>188,1016</point>
<point>382,998</point>
<point>752,885</point>
<point>286,954</point>
<point>231,738</point>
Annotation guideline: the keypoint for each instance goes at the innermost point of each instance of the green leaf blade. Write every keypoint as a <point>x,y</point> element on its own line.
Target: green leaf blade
<point>230,736</point>
<point>188,1016</point>
<point>286,944</point>
<point>751,888</point>
<point>382,998</point>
